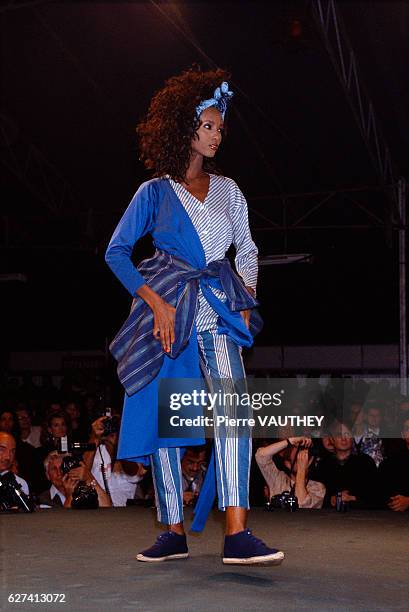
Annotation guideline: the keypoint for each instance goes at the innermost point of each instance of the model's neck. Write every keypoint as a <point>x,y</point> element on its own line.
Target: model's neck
<point>195,169</point>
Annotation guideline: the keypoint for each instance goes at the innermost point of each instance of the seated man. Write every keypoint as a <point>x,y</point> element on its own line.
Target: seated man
<point>56,494</point>
<point>82,474</point>
<point>354,476</point>
<point>63,486</point>
<point>7,459</point>
<point>193,473</point>
<point>294,472</point>
<point>394,473</point>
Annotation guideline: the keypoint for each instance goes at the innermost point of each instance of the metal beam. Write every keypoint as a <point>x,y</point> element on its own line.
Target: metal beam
<point>343,57</point>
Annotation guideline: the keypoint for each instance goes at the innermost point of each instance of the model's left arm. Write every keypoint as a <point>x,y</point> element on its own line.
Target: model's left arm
<point>246,250</point>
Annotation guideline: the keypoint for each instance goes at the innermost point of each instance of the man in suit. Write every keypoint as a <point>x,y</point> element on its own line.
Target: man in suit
<point>56,495</point>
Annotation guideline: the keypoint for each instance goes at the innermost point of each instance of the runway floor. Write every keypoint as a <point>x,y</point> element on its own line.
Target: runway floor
<point>352,561</point>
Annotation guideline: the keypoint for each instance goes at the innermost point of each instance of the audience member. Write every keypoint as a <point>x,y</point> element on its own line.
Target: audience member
<point>293,473</point>
<point>394,473</point>
<point>193,472</point>
<point>7,459</point>
<point>78,425</point>
<point>84,475</point>
<point>56,427</point>
<point>117,477</point>
<point>55,495</point>
<point>29,465</point>
<point>29,433</point>
<point>371,443</point>
<point>353,476</point>
<point>356,418</point>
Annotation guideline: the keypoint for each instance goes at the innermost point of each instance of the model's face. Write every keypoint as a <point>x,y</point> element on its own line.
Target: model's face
<point>209,133</point>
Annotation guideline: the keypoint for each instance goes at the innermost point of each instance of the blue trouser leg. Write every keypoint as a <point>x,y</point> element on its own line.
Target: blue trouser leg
<point>223,362</point>
<point>167,481</point>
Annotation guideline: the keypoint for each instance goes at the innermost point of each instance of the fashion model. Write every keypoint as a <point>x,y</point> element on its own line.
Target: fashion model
<point>191,312</point>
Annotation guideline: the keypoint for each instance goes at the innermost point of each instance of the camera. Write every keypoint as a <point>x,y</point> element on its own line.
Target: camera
<point>287,500</point>
<point>84,496</point>
<point>11,495</point>
<point>65,445</point>
<point>70,462</point>
<point>111,425</point>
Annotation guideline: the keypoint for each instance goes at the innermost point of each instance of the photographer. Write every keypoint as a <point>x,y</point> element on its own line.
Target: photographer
<point>82,474</point>
<point>55,495</point>
<point>193,473</point>
<point>293,472</point>
<point>118,478</point>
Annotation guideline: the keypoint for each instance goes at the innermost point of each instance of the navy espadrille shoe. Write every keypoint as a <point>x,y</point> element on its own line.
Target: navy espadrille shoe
<point>244,549</point>
<point>169,545</point>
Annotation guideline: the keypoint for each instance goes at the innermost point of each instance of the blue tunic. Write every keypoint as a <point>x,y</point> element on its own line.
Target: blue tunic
<point>157,210</point>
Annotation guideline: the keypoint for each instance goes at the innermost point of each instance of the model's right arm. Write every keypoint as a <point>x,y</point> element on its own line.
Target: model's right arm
<point>138,220</point>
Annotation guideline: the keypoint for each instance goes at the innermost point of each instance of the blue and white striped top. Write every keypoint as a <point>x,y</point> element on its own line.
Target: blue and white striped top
<point>221,220</point>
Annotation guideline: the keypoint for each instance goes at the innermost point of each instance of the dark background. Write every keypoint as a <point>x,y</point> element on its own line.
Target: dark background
<point>76,78</point>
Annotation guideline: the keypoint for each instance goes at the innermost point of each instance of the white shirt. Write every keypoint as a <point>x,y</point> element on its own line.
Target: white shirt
<point>220,221</point>
<point>54,491</point>
<point>122,486</point>
<point>21,481</point>
<point>34,437</point>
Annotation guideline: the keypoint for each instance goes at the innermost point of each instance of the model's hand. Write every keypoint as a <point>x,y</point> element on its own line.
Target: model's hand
<point>163,316</point>
<point>399,503</point>
<point>301,441</point>
<point>164,324</point>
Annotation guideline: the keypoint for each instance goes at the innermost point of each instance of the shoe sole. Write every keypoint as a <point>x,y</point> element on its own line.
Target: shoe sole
<point>142,557</point>
<point>274,559</point>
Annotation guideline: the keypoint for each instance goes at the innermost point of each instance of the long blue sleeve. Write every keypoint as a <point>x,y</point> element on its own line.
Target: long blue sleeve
<point>137,221</point>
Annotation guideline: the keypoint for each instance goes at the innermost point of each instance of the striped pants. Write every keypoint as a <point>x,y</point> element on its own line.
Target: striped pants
<point>221,359</point>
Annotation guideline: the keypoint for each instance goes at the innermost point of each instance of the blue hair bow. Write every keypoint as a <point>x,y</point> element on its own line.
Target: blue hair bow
<point>220,98</point>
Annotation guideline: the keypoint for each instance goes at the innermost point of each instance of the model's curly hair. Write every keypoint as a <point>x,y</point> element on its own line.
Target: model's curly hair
<point>166,134</point>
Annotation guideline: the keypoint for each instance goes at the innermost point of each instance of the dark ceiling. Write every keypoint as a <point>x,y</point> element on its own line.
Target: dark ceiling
<point>76,78</point>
